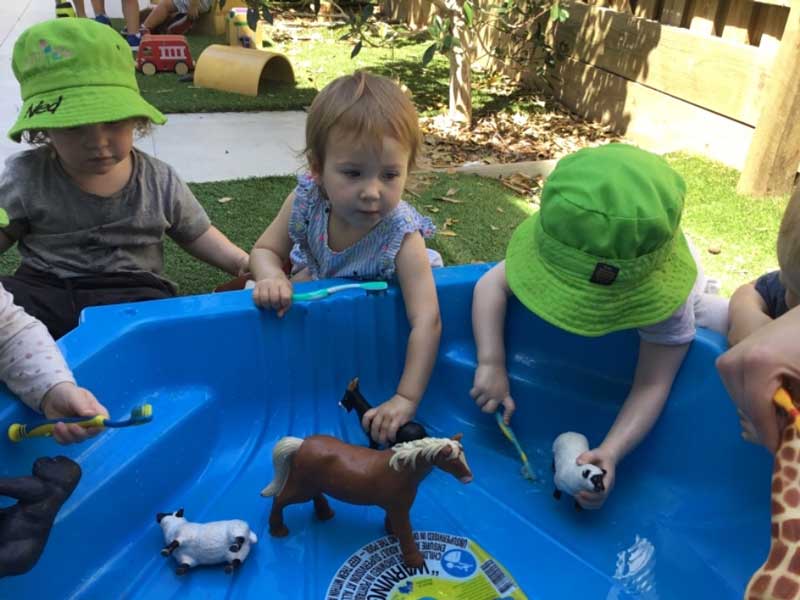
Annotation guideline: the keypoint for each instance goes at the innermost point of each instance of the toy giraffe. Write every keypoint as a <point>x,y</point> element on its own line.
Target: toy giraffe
<point>779,576</point>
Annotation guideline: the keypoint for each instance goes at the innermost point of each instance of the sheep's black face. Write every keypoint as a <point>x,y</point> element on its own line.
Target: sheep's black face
<point>159,516</point>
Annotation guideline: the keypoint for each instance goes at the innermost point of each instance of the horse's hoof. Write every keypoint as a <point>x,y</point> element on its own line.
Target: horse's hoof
<point>326,516</point>
<point>414,561</point>
<point>279,531</point>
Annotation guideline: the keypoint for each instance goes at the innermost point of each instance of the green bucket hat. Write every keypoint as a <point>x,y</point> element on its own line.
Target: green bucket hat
<point>75,72</point>
<point>605,252</point>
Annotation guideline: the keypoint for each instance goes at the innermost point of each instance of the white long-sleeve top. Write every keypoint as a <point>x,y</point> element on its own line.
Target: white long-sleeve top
<point>30,361</point>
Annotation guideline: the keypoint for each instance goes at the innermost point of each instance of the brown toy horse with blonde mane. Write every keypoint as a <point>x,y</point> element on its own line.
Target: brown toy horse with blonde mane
<point>307,469</point>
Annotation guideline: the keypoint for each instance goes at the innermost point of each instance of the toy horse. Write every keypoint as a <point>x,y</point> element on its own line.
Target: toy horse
<point>307,469</point>
<point>25,526</point>
<point>354,400</point>
<point>779,576</point>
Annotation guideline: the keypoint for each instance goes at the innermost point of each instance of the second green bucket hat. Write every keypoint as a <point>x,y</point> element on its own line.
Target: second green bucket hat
<point>75,72</point>
<point>605,252</point>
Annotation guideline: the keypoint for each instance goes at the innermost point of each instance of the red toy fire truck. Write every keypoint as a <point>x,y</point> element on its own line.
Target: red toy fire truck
<point>164,53</point>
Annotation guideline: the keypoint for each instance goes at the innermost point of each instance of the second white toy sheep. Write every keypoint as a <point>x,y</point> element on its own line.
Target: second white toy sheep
<point>568,476</point>
<point>193,544</point>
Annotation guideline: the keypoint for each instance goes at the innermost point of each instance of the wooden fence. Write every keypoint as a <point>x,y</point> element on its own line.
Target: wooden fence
<point>699,75</point>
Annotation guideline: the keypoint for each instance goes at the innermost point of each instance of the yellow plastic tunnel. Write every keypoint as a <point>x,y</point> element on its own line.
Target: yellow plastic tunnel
<point>240,70</point>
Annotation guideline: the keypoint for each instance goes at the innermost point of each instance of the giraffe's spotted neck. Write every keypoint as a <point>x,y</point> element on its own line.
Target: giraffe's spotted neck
<point>779,576</point>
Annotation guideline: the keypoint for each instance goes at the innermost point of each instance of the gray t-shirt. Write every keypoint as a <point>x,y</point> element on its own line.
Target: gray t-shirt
<point>67,232</point>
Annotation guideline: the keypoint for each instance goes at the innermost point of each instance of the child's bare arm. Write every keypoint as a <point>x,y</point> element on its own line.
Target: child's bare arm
<point>272,249</point>
<point>655,371</point>
<point>214,248</point>
<point>747,312</point>
<point>422,309</point>
<point>269,254</point>
<point>490,386</point>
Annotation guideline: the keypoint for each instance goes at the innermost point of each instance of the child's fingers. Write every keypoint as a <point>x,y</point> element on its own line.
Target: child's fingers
<point>510,407</point>
<point>366,420</point>
<point>378,428</point>
<point>590,500</point>
<point>490,406</point>
<point>589,456</point>
<point>394,425</point>
<point>479,396</point>
<point>70,433</point>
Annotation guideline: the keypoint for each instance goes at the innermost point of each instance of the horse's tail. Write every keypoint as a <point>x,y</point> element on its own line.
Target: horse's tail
<point>281,455</point>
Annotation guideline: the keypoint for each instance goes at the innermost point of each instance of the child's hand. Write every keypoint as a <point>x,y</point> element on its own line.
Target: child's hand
<point>244,266</point>
<point>274,293</point>
<point>490,389</point>
<point>68,400</point>
<point>382,422</point>
<point>605,460</point>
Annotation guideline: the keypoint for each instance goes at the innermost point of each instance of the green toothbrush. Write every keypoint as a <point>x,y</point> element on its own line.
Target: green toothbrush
<point>370,286</point>
<point>526,470</point>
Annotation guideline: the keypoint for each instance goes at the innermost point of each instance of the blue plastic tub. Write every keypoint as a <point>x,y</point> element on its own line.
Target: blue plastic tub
<point>689,517</point>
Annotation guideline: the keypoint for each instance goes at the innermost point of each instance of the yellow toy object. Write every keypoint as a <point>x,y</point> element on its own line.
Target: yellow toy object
<point>20,431</point>
<point>64,9</point>
<point>240,70</point>
<point>215,21</point>
<point>240,33</point>
<point>784,400</point>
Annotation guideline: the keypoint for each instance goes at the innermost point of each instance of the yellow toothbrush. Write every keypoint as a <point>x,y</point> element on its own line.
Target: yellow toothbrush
<point>19,431</point>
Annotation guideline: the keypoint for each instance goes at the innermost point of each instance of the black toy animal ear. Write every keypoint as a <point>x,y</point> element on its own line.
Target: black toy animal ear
<point>160,516</point>
<point>179,513</point>
<point>585,473</point>
<point>604,471</point>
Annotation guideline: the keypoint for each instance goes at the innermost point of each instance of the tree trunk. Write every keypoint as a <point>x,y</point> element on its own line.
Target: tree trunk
<point>460,75</point>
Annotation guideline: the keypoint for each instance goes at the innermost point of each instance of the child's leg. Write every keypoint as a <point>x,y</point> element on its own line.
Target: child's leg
<point>80,9</point>
<point>44,297</point>
<point>159,14</point>
<point>130,10</point>
<point>117,288</point>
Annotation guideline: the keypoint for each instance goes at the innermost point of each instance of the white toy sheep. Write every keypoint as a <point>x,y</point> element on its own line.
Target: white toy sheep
<point>193,544</point>
<point>570,477</point>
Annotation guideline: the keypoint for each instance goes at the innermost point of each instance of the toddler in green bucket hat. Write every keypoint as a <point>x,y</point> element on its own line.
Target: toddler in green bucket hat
<point>88,210</point>
<point>604,253</point>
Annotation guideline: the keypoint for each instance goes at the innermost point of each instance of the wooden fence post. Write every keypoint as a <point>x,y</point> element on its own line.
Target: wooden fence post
<point>774,152</point>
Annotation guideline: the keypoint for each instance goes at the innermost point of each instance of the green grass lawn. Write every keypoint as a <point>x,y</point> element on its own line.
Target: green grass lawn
<point>742,229</point>
<point>319,60</point>
<point>316,62</point>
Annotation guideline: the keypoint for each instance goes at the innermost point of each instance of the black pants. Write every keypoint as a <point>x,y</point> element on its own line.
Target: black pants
<point>58,302</point>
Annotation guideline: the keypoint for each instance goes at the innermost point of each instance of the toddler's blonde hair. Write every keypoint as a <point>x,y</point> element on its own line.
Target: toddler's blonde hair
<point>365,106</point>
<point>789,244</point>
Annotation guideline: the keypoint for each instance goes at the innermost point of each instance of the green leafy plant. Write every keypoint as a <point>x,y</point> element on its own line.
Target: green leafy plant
<point>511,32</point>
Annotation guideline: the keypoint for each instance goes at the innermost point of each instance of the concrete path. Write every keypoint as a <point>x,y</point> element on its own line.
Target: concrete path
<point>202,147</point>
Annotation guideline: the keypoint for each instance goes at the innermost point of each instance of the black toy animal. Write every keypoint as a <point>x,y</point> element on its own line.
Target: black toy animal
<point>353,400</point>
<point>25,526</point>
